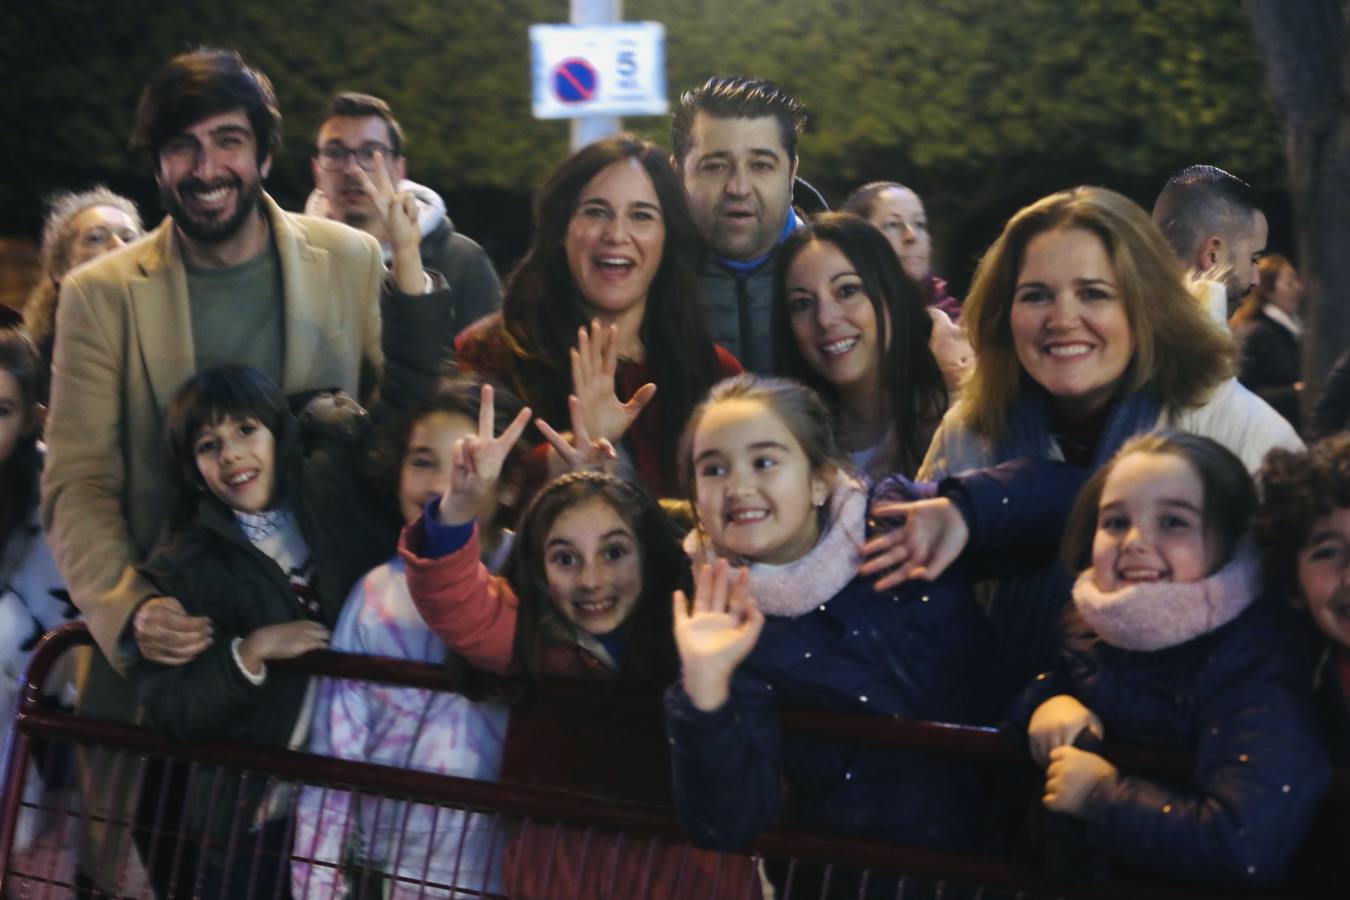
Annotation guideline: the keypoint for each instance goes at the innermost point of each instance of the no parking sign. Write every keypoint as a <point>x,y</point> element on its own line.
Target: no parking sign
<point>599,70</point>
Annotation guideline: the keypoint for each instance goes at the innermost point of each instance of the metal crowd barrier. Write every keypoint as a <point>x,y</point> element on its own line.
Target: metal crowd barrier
<point>550,793</point>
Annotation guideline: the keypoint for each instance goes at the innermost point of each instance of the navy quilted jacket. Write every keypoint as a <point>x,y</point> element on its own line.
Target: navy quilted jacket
<point>1234,699</point>
<point>923,650</point>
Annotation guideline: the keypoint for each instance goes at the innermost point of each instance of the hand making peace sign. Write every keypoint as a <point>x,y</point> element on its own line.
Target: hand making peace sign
<point>476,461</point>
<point>398,211</point>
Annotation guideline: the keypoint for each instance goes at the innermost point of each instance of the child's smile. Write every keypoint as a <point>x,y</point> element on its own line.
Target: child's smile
<point>1323,563</point>
<point>593,567</point>
<point>1150,523</point>
<point>237,462</point>
<point>757,495</point>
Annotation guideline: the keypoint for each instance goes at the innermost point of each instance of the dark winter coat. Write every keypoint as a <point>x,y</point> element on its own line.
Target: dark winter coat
<point>923,650</point>
<point>1233,700</point>
<point>1332,701</point>
<point>214,571</point>
<point>1332,412</point>
<point>1270,365</point>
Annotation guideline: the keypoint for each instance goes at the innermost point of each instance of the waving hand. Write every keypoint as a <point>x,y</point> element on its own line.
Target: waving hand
<point>595,360</point>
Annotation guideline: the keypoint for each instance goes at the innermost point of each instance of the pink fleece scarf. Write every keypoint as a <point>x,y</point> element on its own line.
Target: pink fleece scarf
<point>802,585</point>
<point>1166,614</point>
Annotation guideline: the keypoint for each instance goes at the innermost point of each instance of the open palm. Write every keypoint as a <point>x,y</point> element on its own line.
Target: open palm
<point>717,633</point>
<point>595,362</point>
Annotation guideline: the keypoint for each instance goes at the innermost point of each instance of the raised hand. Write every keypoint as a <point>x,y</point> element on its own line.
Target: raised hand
<point>1072,775</point>
<point>476,462</point>
<point>717,634</point>
<point>577,450</point>
<point>929,537</point>
<point>1056,723</point>
<point>595,359</point>
<point>398,213</point>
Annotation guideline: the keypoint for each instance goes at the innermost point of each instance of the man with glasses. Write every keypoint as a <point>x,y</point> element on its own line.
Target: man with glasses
<point>227,277</point>
<point>360,133</point>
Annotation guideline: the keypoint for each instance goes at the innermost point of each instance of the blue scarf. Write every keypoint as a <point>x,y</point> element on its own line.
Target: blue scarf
<point>746,266</point>
<point>1026,611</point>
<point>1028,435</point>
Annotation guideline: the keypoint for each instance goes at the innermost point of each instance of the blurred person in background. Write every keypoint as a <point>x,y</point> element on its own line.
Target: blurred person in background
<point>899,213</point>
<point>1269,333</point>
<point>358,133</point>
<point>78,227</point>
<point>1213,225</point>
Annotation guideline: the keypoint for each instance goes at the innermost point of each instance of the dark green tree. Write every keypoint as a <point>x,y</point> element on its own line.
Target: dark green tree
<point>1304,46</point>
<point>981,105</point>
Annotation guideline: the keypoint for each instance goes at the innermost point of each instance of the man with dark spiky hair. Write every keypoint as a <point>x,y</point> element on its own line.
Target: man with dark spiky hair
<point>1211,219</point>
<point>735,142</point>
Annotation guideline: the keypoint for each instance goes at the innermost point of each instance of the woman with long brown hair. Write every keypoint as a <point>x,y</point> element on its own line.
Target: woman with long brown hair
<point>1085,335</point>
<point>615,247</point>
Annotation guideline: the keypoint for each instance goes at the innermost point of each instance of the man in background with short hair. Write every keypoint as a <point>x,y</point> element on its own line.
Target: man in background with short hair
<point>356,128</point>
<point>1211,220</point>
<point>735,143</point>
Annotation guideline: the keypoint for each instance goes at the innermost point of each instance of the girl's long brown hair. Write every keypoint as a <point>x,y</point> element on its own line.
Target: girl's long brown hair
<point>648,656</point>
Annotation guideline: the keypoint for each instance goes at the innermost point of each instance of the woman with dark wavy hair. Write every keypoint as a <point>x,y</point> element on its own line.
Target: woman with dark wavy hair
<point>847,322</point>
<point>615,247</point>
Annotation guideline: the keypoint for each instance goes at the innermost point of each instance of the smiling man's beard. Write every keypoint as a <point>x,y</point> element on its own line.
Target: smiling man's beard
<point>213,231</point>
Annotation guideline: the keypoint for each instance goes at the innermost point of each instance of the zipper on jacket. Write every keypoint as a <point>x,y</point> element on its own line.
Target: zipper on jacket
<point>743,317</point>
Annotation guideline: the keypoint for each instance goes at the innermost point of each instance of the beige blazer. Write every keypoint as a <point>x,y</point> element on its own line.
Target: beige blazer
<point>124,346</point>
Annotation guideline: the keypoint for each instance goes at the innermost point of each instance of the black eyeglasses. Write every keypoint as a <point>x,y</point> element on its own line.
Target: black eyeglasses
<point>334,157</point>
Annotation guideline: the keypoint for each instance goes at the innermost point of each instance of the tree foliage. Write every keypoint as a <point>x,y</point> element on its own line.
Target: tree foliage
<point>980,104</point>
<point>983,105</point>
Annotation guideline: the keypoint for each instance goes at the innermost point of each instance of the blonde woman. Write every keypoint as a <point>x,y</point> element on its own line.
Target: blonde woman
<point>79,227</point>
<point>1084,336</point>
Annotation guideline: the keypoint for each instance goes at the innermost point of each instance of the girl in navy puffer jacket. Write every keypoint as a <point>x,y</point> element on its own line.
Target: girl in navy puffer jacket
<point>1171,644</point>
<point>804,625</point>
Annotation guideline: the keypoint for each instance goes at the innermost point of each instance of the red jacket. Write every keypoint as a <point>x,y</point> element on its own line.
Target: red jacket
<point>474,612</point>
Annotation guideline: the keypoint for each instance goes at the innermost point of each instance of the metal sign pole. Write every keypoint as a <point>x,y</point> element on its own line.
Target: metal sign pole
<point>588,129</point>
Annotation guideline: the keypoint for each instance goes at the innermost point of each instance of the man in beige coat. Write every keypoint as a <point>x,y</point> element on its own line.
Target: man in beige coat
<point>227,277</point>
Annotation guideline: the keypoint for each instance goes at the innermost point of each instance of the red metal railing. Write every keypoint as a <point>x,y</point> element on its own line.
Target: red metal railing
<point>563,796</point>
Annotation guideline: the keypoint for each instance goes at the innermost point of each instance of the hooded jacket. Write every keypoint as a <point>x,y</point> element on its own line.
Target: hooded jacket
<point>474,289</point>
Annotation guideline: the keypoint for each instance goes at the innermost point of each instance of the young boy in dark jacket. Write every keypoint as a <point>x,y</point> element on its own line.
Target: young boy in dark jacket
<point>271,529</point>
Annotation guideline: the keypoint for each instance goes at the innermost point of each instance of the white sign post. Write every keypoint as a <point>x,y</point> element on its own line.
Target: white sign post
<point>599,70</point>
